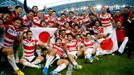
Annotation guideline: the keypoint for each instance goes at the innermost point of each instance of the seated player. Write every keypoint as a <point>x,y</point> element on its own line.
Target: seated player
<point>90,47</point>
<point>60,60</point>
<point>28,45</point>
<point>72,51</point>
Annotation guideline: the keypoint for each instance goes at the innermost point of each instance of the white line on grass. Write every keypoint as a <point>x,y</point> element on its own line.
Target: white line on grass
<point>70,69</point>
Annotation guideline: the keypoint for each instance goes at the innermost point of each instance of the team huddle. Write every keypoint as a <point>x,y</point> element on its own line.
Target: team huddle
<point>86,36</point>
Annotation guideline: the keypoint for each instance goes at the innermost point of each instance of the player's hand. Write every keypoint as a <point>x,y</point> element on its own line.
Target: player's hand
<point>64,55</point>
<point>10,7</point>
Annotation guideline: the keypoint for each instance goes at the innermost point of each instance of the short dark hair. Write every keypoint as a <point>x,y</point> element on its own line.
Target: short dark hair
<point>117,10</point>
<point>78,35</point>
<point>50,9</point>
<point>63,14</point>
<point>69,34</point>
<point>87,34</point>
<point>16,7</point>
<point>17,18</point>
<point>61,30</point>
<point>128,7</point>
<point>34,6</point>
<point>98,21</point>
<point>42,21</point>
<point>30,11</point>
<point>71,12</point>
<point>57,39</point>
<point>77,25</point>
<point>28,32</point>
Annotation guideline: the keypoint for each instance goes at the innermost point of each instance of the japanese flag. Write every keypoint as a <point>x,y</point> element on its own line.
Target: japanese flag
<point>43,34</point>
<point>108,45</point>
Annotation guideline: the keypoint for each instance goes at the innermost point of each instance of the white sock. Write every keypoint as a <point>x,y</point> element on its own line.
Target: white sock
<point>97,52</point>
<point>49,59</point>
<point>75,63</point>
<point>87,54</point>
<point>38,51</point>
<point>12,62</point>
<point>29,64</point>
<point>37,61</point>
<point>17,56</point>
<point>60,67</point>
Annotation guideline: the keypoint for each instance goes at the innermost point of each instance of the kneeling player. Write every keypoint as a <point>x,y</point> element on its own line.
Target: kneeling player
<point>11,34</point>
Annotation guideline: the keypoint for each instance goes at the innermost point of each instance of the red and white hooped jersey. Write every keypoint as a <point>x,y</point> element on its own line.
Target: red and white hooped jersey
<point>70,19</point>
<point>26,22</point>
<point>63,39</point>
<point>97,30</point>
<point>71,46</point>
<point>61,22</point>
<point>51,20</point>
<point>89,44</point>
<point>59,50</point>
<point>78,17</point>
<point>36,22</point>
<point>85,20</point>
<point>105,19</point>
<point>80,42</point>
<point>68,30</point>
<point>10,36</point>
<point>28,47</point>
<point>78,31</point>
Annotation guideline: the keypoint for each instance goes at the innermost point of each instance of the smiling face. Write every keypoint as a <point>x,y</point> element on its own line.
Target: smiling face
<point>39,14</point>
<point>18,10</point>
<point>103,10</point>
<point>67,25</point>
<point>43,23</point>
<point>6,17</point>
<point>118,24</point>
<point>58,42</point>
<point>117,13</point>
<point>84,13</point>
<point>50,12</point>
<point>88,36</point>
<point>63,16</point>
<point>97,23</point>
<point>76,27</point>
<point>69,37</point>
<point>126,10</point>
<point>78,37</point>
<point>29,35</point>
<point>17,23</point>
<point>30,15</point>
<point>35,9</point>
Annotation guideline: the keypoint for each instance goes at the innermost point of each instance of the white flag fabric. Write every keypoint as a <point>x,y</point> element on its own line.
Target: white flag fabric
<point>43,34</point>
<point>123,45</point>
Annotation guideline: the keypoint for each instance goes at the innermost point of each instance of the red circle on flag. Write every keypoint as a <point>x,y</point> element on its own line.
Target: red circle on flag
<point>107,44</point>
<point>44,36</point>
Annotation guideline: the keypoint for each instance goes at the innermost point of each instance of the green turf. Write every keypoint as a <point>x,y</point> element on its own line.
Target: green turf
<point>107,65</point>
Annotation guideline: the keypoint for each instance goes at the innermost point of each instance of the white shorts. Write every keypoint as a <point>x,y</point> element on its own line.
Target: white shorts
<point>29,58</point>
<point>73,53</point>
<point>90,50</point>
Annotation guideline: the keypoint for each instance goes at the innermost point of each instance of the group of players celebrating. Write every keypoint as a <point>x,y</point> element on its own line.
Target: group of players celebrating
<point>76,36</point>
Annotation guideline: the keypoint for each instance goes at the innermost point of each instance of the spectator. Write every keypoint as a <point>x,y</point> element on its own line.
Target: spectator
<point>118,16</point>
